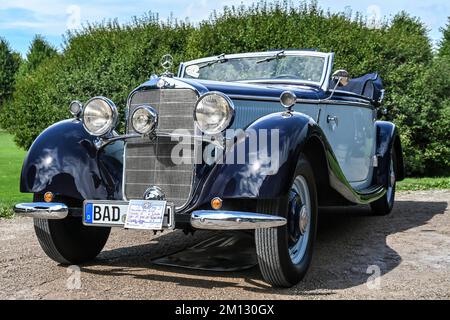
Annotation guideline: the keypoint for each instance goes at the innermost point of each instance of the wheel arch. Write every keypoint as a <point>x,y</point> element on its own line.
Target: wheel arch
<point>314,152</point>
<point>240,180</point>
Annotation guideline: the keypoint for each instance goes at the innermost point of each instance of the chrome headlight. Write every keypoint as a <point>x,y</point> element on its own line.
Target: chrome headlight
<point>99,116</point>
<point>213,113</point>
<point>288,99</point>
<point>144,120</point>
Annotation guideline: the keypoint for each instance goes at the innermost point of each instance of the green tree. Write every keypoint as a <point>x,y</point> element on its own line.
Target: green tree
<point>407,57</point>
<point>9,64</point>
<point>438,160</point>
<point>444,49</point>
<point>39,51</point>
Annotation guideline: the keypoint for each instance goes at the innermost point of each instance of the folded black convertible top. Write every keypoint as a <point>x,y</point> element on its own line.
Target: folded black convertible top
<point>369,86</point>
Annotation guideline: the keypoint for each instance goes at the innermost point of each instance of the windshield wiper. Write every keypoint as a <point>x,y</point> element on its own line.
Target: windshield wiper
<point>219,59</point>
<point>277,56</point>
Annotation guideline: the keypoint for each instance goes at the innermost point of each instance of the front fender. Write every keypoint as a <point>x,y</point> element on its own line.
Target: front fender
<point>266,178</point>
<point>64,160</point>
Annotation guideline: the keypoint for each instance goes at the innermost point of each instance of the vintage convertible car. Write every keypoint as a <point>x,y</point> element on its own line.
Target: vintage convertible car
<point>254,141</point>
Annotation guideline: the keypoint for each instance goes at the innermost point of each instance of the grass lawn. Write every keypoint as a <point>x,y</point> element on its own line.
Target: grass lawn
<point>412,184</point>
<point>11,159</point>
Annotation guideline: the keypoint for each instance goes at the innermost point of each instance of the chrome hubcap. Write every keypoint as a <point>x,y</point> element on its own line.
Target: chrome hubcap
<point>392,174</point>
<point>304,220</point>
<point>299,218</point>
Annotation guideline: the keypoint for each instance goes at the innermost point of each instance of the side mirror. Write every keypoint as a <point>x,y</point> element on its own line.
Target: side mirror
<point>341,77</point>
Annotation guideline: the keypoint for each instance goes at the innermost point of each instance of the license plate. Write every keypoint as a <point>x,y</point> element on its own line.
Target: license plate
<point>114,214</point>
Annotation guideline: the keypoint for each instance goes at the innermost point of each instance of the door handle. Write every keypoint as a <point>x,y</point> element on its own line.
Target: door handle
<point>333,121</point>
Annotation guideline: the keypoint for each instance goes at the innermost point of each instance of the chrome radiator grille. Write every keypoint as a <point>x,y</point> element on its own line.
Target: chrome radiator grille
<point>149,163</point>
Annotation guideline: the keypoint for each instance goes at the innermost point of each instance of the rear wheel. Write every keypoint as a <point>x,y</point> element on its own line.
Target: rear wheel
<point>68,241</point>
<point>285,253</point>
<point>384,205</point>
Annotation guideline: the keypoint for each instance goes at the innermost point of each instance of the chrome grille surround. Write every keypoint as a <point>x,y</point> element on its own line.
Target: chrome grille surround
<point>148,163</point>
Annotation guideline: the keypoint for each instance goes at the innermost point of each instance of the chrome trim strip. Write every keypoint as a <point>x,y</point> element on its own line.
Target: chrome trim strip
<point>103,142</point>
<point>42,210</point>
<point>100,143</point>
<point>262,98</point>
<point>234,220</point>
<point>304,83</point>
<point>360,103</point>
<point>339,182</point>
<point>329,69</point>
<point>348,103</point>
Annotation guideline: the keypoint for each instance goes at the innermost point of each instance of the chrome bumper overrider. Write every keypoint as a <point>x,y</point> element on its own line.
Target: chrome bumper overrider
<point>234,220</point>
<point>42,210</point>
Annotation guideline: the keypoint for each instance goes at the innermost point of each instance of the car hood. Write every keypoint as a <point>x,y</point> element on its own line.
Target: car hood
<point>256,89</point>
<point>246,90</point>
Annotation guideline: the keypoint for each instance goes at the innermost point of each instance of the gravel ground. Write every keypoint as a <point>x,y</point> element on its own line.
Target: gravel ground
<point>410,248</point>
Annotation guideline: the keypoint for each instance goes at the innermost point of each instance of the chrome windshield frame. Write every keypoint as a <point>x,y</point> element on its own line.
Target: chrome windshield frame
<point>323,83</point>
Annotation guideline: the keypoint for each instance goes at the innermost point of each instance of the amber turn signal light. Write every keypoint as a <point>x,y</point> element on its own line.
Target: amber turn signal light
<point>216,203</point>
<point>48,197</point>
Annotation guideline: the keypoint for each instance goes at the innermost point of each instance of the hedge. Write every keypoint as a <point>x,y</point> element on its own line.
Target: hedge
<point>111,59</point>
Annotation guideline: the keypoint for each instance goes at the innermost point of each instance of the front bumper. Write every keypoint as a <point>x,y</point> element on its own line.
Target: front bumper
<point>42,210</point>
<point>234,220</point>
<point>200,219</point>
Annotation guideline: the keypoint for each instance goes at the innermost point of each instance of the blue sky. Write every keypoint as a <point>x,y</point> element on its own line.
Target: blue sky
<point>20,20</point>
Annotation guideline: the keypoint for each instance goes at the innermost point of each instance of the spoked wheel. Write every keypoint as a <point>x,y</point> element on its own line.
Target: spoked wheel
<point>285,253</point>
<point>299,216</point>
<point>384,205</point>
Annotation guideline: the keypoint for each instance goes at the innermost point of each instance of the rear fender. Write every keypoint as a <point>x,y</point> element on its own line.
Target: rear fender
<point>388,139</point>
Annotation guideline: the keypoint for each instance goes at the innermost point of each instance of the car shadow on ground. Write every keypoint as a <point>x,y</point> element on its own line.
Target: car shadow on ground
<point>349,240</point>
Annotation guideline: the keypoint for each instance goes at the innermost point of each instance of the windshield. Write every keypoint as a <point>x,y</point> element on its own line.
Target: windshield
<point>302,68</point>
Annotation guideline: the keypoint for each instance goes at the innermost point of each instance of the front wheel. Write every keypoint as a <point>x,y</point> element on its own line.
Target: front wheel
<point>285,253</point>
<point>68,241</point>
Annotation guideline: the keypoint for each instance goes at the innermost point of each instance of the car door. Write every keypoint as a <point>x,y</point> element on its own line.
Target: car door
<point>351,131</point>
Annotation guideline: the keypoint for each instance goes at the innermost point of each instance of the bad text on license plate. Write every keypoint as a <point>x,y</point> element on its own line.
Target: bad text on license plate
<point>144,214</point>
